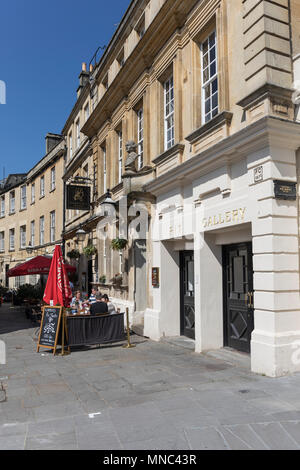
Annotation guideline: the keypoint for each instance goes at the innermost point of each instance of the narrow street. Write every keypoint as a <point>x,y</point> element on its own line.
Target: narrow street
<point>155,396</point>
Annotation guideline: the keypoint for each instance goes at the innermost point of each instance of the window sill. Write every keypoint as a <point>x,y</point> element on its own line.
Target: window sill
<point>12,213</point>
<point>52,190</point>
<point>177,148</point>
<point>219,120</point>
<point>24,209</point>
<point>42,197</point>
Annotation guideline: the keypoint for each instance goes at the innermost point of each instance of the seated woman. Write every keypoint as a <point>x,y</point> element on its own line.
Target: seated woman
<point>77,301</point>
<point>99,307</point>
<point>110,306</point>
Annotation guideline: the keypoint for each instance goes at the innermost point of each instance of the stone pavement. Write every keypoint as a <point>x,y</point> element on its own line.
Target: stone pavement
<point>156,396</point>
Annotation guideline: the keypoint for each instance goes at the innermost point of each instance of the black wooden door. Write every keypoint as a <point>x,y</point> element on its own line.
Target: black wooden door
<point>238,296</point>
<point>187,287</point>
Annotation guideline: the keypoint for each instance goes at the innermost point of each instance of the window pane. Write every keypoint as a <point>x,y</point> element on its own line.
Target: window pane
<point>214,86</point>
<point>215,100</point>
<point>213,69</point>
<point>205,47</point>
<point>212,54</point>
<point>212,39</point>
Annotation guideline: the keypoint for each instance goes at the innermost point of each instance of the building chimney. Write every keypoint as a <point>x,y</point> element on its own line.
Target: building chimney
<point>83,79</point>
<point>51,141</point>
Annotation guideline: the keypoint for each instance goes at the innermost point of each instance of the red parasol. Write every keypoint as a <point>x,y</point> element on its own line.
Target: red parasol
<point>37,265</point>
<point>58,291</point>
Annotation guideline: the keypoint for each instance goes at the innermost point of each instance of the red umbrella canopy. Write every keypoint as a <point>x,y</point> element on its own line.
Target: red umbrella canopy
<point>58,291</point>
<point>37,265</point>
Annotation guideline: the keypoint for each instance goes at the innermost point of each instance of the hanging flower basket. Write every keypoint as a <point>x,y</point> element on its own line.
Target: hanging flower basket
<point>119,244</point>
<point>89,250</point>
<point>117,279</point>
<point>73,254</point>
<point>102,279</point>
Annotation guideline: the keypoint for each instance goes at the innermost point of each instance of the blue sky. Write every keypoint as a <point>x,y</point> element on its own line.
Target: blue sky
<point>42,46</point>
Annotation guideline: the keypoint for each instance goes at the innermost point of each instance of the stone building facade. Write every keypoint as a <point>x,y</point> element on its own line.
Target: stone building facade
<point>205,89</point>
<point>31,212</point>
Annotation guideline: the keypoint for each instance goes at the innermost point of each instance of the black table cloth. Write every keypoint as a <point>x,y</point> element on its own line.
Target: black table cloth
<point>89,330</point>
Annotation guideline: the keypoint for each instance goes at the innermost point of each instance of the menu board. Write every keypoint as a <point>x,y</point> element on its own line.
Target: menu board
<point>49,330</point>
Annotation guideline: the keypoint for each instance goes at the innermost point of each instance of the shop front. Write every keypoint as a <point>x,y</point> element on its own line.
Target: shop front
<point>226,244</point>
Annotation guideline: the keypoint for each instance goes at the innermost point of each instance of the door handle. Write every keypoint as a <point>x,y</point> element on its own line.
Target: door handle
<point>249,299</point>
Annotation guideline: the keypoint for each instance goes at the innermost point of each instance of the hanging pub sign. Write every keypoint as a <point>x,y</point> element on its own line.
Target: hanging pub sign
<point>285,190</point>
<point>78,197</point>
<point>155,277</point>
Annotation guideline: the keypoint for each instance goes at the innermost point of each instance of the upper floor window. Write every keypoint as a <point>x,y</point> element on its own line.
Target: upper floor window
<point>140,27</point>
<point>104,169</point>
<point>33,193</point>
<point>42,186</point>
<point>12,239</point>
<point>210,98</point>
<point>32,233</point>
<point>12,202</point>
<point>70,146</point>
<point>2,206</point>
<point>23,197</point>
<point>52,180</point>
<point>42,230</point>
<point>78,134</point>
<point>86,112</point>
<point>23,236</point>
<point>2,241</point>
<point>120,155</point>
<point>140,137</point>
<point>52,226</point>
<point>169,113</point>
<point>94,97</point>
<point>121,58</point>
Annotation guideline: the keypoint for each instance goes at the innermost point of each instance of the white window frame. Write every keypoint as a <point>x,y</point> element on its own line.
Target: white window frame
<point>120,154</point>
<point>42,186</point>
<point>2,241</point>
<point>33,193</point>
<point>78,133</point>
<point>140,137</point>
<point>86,112</point>
<point>42,230</point>
<point>32,232</point>
<point>23,197</point>
<point>70,145</point>
<point>52,226</point>
<point>104,170</point>
<point>52,179</point>
<point>11,239</point>
<point>2,206</point>
<point>23,236</point>
<point>169,113</point>
<point>12,202</point>
<point>210,85</point>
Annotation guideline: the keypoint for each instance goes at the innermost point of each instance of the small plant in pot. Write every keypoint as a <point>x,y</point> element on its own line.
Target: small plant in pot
<point>117,279</point>
<point>119,244</point>
<point>73,254</point>
<point>89,250</point>
<point>102,279</point>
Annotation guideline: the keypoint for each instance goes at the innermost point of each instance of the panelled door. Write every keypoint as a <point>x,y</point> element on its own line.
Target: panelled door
<point>238,296</point>
<point>187,288</point>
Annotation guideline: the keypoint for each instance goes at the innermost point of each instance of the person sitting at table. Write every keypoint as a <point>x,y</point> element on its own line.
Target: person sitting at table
<point>92,297</point>
<point>99,307</point>
<point>110,306</point>
<point>77,301</point>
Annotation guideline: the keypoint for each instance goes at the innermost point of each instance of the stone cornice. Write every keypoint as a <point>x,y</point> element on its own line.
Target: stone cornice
<point>46,161</point>
<point>266,91</point>
<point>262,133</point>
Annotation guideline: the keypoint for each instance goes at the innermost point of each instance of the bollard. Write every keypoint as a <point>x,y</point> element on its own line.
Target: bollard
<point>128,345</point>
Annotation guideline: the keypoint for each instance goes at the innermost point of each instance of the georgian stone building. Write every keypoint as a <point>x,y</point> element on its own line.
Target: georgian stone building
<point>31,211</point>
<point>205,89</point>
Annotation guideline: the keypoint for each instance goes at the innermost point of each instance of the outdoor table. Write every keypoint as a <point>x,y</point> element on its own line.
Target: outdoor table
<point>87,330</point>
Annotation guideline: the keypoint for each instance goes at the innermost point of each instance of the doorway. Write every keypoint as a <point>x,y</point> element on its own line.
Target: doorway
<point>238,296</point>
<point>187,294</point>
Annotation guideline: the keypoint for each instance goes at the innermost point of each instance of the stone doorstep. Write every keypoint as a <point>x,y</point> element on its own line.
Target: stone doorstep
<point>231,356</point>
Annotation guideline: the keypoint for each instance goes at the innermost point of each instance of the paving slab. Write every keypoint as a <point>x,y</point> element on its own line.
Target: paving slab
<point>159,395</point>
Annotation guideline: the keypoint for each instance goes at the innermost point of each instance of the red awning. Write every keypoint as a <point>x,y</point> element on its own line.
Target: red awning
<point>37,265</point>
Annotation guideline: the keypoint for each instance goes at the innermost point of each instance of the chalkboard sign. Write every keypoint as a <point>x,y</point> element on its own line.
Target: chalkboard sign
<point>50,325</point>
